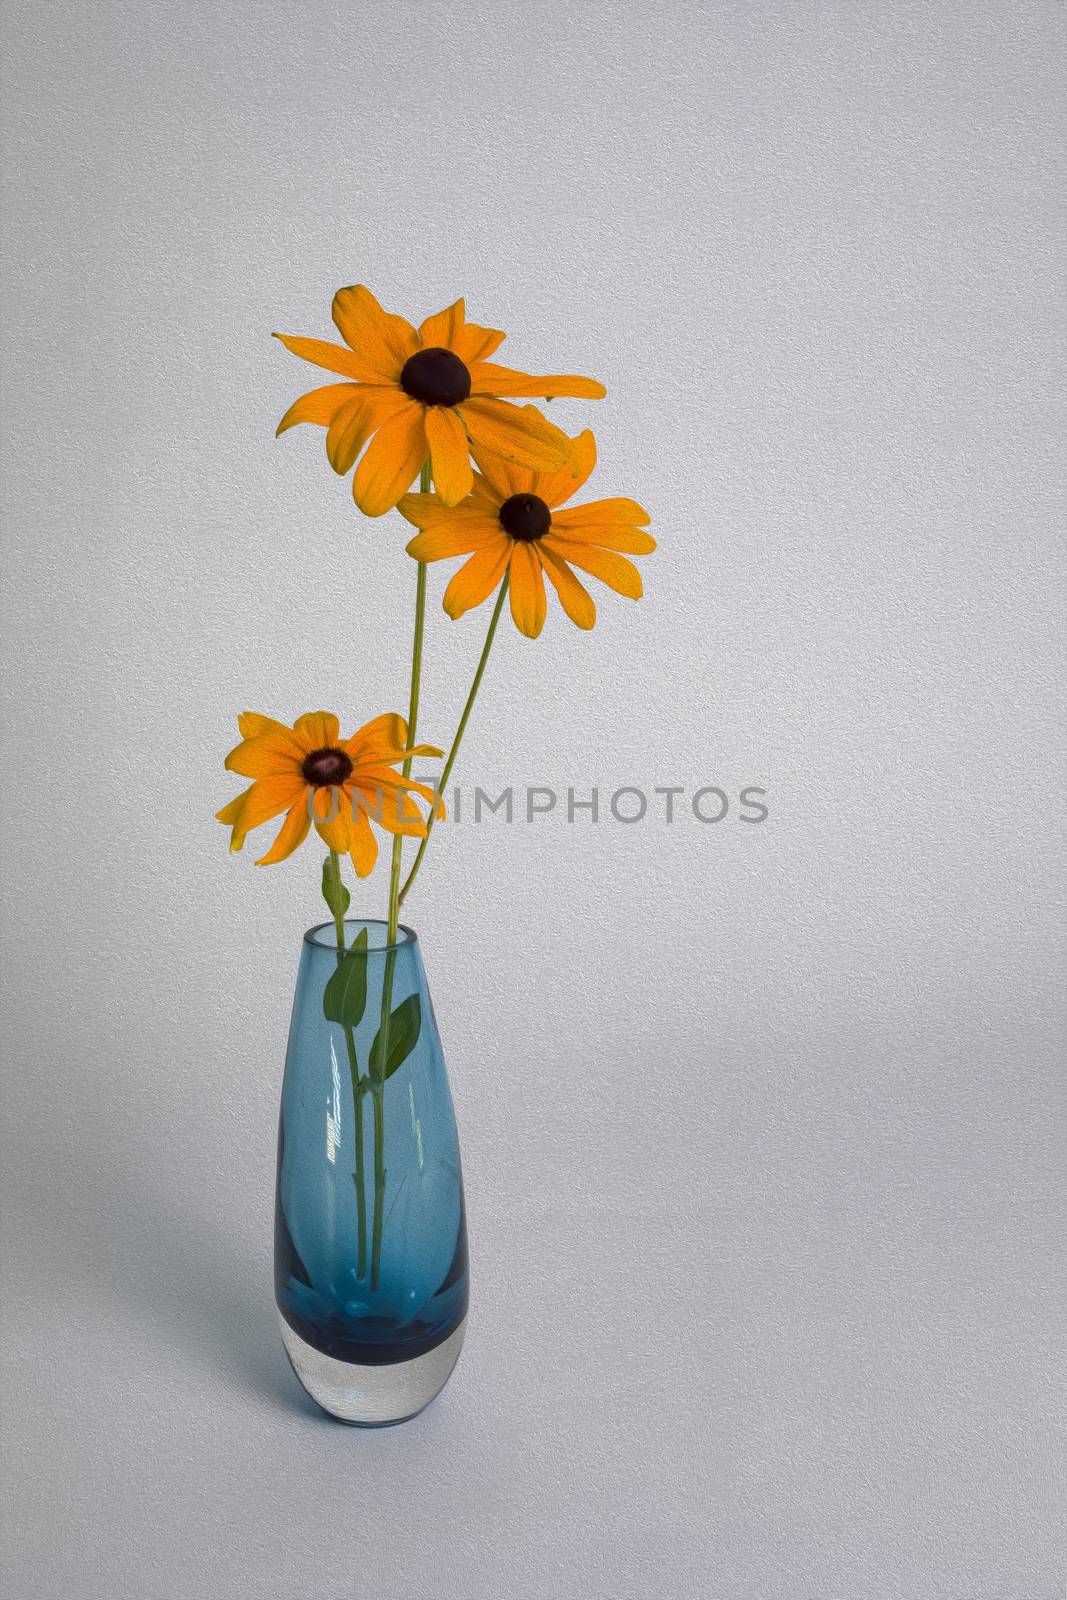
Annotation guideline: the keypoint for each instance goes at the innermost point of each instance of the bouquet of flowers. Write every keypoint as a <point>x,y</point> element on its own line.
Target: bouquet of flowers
<point>497,484</point>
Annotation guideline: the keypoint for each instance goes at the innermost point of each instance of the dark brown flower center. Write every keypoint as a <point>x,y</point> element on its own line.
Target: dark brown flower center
<point>436,377</point>
<point>525,516</point>
<point>325,767</point>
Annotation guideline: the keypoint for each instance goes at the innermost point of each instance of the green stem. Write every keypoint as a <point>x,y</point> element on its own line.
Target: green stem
<point>358,1177</point>
<point>394,913</point>
<point>460,731</point>
<point>379,1186</point>
<point>413,717</point>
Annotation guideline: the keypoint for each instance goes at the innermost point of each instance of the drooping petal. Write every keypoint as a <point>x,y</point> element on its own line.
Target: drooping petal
<point>355,422</point>
<point>477,578</point>
<point>447,438</point>
<point>294,831</point>
<point>486,378</point>
<point>265,757</point>
<point>614,570</point>
<point>231,811</point>
<point>382,340</point>
<point>391,461</point>
<point>333,817</point>
<point>518,433</point>
<point>528,603</point>
<point>556,487</point>
<point>362,845</point>
<point>265,799</point>
<point>574,597</point>
<point>317,730</point>
<point>345,436</point>
<point>318,405</point>
<point>322,804</point>
<point>382,780</point>
<point>440,331</point>
<point>457,537</point>
<point>627,512</point>
<point>396,812</point>
<point>334,357</point>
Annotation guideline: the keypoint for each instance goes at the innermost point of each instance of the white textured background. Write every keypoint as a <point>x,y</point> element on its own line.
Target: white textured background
<point>762,1125</point>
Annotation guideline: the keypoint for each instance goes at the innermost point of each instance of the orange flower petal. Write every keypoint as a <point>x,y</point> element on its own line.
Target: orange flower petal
<point>231,811</point>
<point>486,378</point>
<point>346,428</point>
<point>447,438</point>
<point>473,344</point>
<point>254,726</point>
<point>477,578</point>
<point>484,496</point>
<point>382,739</point>
<point>355,422</point>
<point>317,730</point>
<point>265,799</point>
<point>627,512</point>
<point>394,811</point>
<point>528,604</point>
<point>456,537</point>
<point>265,757</point>
<point>609,536</point>
<point>391,461</point>
<point>321,804</point>
<point>430,511</point>
<point>618,573</point>
<point>518,433</point>
<point>503,478</point>
<point>362,845</point>
<point>419,509</point>
<point>375,781</point>
<point>294,831</point>
<point>334,357</point>
<point>440,331</point>
<point>574,597</point>
<point>318,405</point>
<point>383,341</point>
<point>333,817</point>
<point>556,487</point>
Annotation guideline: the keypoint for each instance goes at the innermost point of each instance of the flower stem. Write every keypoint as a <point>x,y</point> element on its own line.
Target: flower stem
<point>413,717</point>
<point>460,731</point>
<point>358,1177</point>
<point>394,915</point>
<point>379,1186</point>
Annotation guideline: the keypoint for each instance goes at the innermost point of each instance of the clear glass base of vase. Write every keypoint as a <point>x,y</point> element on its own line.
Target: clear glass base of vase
<point>372,1396</point>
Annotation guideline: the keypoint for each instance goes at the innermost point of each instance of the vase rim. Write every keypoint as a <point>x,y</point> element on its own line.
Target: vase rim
<point>323,936</point>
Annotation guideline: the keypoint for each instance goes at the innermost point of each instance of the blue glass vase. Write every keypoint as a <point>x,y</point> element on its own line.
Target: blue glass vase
<point>370,1235</point>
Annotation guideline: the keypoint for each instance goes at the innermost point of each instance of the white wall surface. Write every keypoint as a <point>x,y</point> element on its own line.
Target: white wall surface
<point>762,1125</point>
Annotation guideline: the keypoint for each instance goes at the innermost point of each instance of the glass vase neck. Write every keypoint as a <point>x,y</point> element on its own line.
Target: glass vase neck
<point>324,936</point>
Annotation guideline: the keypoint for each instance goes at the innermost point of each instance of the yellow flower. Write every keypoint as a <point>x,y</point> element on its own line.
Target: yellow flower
<point>311,775</point>
<point>426,395</point>
<point>512,524</point>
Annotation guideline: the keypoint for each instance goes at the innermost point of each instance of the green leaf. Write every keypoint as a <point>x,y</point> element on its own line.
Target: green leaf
<point>344,998</point>
<point>395,1042</point>
<point>334,892</point>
